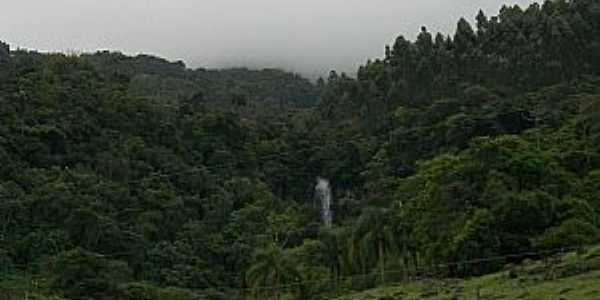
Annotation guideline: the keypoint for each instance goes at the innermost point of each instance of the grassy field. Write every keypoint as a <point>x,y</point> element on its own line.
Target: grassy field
<point>572,277</point>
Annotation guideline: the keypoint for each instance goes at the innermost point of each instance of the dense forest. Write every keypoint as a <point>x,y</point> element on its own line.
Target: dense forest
<point>138,178</point>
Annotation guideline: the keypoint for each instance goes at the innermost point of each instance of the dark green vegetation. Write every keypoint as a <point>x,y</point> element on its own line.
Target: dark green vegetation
<point>155,78</point>
<point>135,178</point>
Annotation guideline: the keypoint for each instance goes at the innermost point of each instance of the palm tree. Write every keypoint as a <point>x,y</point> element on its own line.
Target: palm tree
<point>272,266</point>
<point>333,242</point>
<point>374,231</point>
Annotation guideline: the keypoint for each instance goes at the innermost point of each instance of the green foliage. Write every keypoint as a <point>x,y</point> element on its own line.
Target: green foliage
<point>273,267</point>
<point>374,237</point>
<point>83,275</point>
<point>236,88</point>
<point>137,178</point>
<point>570,232</point>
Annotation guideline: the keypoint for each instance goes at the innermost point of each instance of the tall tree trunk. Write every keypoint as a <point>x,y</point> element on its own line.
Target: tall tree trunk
<point>338,274</point>
<point>363,266</point>
<point>382,260</point>
<point>276,287</point>
<point>588,155</point>
<point>332,276</point>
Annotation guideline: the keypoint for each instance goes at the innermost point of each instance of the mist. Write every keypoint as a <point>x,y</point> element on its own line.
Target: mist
<point>310,37</point>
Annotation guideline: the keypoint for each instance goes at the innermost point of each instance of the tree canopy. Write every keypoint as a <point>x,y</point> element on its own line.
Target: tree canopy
<point>138,178</point>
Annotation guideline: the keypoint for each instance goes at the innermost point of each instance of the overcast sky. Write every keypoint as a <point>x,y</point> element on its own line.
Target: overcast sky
<point>307,36</point>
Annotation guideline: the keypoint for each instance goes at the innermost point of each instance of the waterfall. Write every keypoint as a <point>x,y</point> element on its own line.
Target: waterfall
<point>323,193</point>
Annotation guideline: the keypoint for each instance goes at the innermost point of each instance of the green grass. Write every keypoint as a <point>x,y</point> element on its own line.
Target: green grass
<point>571,277</point>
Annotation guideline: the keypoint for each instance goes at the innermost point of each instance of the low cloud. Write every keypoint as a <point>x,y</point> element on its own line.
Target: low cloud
<point>307,36</point>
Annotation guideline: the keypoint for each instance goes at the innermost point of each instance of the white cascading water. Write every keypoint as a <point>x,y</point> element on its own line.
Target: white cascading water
<point>323,193</point>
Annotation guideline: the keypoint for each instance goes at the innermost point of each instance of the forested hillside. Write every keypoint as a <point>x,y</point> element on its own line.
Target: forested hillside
<point>156,78</point>
<point>137,178</point>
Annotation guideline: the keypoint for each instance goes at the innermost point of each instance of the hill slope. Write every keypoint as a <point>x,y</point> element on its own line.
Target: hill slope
<point>154,77</point>
<point>571,276</point>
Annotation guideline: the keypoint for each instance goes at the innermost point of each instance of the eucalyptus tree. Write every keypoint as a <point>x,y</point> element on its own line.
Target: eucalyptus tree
<point>589,121</point>
<point>4,52</point>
